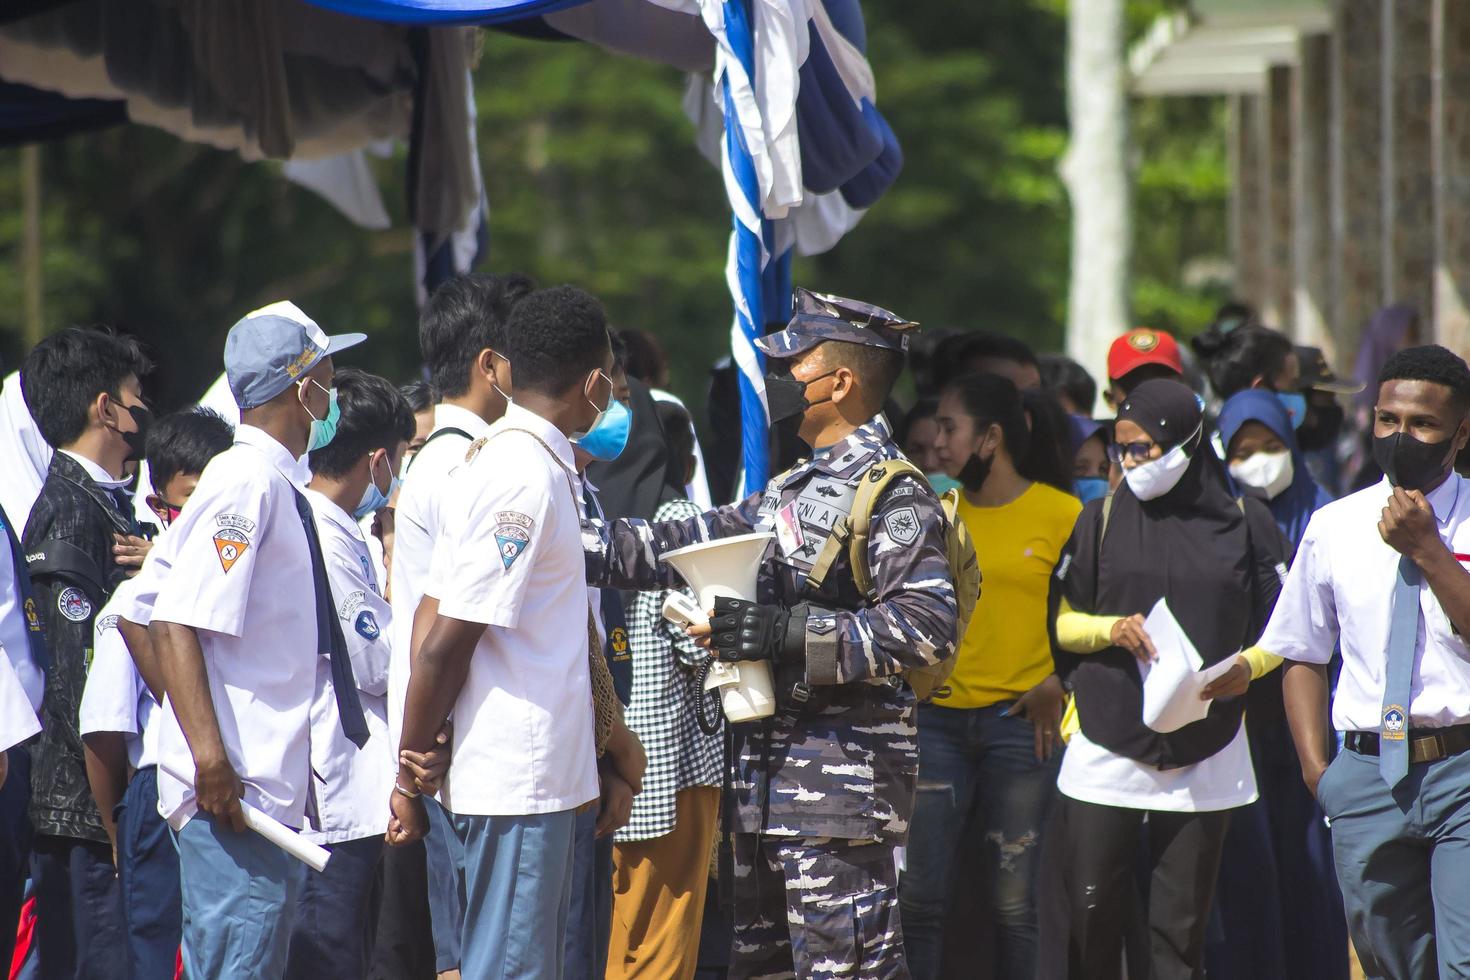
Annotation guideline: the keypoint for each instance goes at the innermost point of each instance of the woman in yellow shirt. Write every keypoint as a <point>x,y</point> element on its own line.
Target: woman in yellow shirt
<point>987,764</point>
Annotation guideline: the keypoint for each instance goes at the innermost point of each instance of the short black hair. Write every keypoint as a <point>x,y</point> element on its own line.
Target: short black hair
<point>420,395</point>
<point>65,372</point>
<point>619,351</point>
<point>184,442</point>
<point>374,416</point>
<point>1235,356</point>
<point>557,336</point>
<point>466,314</point>
<point>877,368</point>
<point>1064,376</point>
<point>964,353</point>
<point>1432,363</point>
<point>646,359</point>
<point>678,430</point>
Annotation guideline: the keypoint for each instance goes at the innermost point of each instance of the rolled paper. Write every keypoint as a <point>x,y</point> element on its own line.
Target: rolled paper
<point>288,840</point>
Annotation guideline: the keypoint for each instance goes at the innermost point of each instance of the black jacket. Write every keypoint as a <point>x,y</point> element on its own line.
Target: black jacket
<point>68,545</point>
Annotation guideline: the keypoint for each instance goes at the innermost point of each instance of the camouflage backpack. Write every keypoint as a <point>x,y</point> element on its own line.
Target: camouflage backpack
<point>852,531</point>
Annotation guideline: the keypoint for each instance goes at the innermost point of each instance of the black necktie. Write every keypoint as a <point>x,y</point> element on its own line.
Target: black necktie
<point>329,637</point>
<point>35,636</point>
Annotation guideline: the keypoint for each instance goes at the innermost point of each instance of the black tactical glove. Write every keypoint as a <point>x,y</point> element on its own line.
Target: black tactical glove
<point>744,630</point>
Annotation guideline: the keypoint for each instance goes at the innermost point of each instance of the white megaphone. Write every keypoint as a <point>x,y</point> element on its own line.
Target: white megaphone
<point>727,567</point>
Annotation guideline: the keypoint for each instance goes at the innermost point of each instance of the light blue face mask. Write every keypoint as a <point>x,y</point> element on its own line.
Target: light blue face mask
<point>607,439</point>
<point>1295,404</point>
<point>1090,488</point>
<point>942,482</point>
<point>324,430</point>
<point>373,499</point>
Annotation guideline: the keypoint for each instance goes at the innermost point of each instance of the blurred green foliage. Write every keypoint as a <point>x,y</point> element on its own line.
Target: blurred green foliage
<point>593,178</point>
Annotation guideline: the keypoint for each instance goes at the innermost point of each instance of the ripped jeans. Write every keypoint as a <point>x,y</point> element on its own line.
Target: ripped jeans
<point>978,776</point>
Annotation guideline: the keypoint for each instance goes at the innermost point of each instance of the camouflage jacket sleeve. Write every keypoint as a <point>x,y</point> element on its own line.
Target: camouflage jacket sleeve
<point>913,621</point>
<point>623,554</point>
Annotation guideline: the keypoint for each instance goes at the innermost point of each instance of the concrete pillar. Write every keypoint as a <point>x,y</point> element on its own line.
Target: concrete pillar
<point>1311,195</point>
<point>1408,162</point>
<point>1356,171</point>
<point>1247,247</point>
<point>1451,137</point>
<point>1276,220</point>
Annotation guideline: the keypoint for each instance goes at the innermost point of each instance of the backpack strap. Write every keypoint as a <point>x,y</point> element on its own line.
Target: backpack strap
<point>448,430</point>
<point>848,532</point>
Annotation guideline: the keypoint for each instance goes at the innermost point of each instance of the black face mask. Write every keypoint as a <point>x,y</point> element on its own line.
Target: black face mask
<point>1321,429</point>
<point>136,441</point>
<point>973,474</point>
<point>786,396</point>
<point>1411,463</point>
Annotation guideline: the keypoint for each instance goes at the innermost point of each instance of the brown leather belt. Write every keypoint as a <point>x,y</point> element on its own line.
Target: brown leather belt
<point>1425,744</point>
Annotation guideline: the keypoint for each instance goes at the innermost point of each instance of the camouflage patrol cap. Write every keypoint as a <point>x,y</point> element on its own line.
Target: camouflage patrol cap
<point>817,317</point>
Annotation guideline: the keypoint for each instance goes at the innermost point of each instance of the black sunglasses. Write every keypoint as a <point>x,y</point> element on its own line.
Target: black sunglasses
<point>1137,451</point>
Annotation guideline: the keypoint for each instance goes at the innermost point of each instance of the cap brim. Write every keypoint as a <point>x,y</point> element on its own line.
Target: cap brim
<point>1337,386</point>
<point>340,342</point>
<point>779,345</point>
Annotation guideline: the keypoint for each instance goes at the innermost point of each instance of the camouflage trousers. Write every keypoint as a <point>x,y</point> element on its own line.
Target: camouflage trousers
<point>810,908</point>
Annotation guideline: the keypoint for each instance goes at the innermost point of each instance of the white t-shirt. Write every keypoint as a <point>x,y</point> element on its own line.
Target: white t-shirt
<point>1093,774</point>
<point>15,627</point>
<point>351,784</point>
<point>417,519</point>
<point>240,574</point>
<point>115,699</point>
<point>510,556</point>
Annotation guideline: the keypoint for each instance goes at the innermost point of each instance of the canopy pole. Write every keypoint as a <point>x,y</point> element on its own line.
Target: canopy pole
<point>30,247</point>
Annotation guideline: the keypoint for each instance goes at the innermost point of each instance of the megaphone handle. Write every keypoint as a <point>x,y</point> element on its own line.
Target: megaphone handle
<point>679,608</point>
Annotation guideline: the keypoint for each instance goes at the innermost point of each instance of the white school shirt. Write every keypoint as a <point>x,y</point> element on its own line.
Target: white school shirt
<point>241,576</point>
<point>18,720</point>
<point>417,519</point>
<point>1341,587</point>
<point>14,633</point>
<point>115,699</point>
<point>510,556</point>
<point>351,784</point>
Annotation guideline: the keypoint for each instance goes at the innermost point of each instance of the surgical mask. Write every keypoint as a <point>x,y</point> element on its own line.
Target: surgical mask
<point>1088,488</point>
<point>1153,479</point>
<point>607,439</point>
<point>975,472</point>
<point>1409,462</point>
<point>786,396</point>
<point>1270,472</point>
<point>1295,404</point>
<point>137,440</point>
<point>324,430</point>
<point>942,482</point>
<point>601,412</point>
<point>373,499</point>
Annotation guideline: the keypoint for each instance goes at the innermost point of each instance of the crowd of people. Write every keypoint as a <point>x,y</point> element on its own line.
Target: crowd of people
<point>431,629</point>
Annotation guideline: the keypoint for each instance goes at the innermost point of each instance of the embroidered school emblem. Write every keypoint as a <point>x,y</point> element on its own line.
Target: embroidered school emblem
<point>512,535</point>
<point>367,625</point>
<point>1395,723</point>
<point>902,525</point>
<point>73,603</point>
<point>230,544</point>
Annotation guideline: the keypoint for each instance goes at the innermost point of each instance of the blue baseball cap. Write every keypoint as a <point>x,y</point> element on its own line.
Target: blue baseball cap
<point>272,348</point>
<point>817,317</point>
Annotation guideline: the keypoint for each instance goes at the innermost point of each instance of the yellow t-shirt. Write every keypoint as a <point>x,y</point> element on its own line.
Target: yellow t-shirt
<point>1005,651</point>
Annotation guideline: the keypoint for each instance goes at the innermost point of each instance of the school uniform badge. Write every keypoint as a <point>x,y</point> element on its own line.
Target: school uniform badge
<point>512,535</point>
<point>1395,723</point>
<point>73,604</point>
<point>230,544</point>
<point>366,625</point>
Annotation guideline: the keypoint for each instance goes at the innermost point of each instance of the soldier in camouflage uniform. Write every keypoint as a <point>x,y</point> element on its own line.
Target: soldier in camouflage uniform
<point>822,793</point>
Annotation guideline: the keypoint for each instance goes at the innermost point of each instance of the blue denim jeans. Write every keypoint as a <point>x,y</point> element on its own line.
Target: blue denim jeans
<point>978,775</point>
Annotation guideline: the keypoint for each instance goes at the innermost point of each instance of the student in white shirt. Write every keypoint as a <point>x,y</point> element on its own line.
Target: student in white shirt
<point>462,337</point>
<point>118,712</point>
<point>1383,573</point>
<point>352,478</point>
<point>246,596</point>
<point>508,650</point>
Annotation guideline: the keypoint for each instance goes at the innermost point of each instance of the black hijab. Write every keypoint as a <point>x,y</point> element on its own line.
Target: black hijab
<point>1191,545</point>
<point>634,484</point>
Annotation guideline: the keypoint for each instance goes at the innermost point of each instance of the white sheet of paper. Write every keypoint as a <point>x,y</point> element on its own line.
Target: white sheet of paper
<point>1172,684</point>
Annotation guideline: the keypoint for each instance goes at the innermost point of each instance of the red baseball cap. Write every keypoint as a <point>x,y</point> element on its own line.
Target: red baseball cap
<point>1140,346</point>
